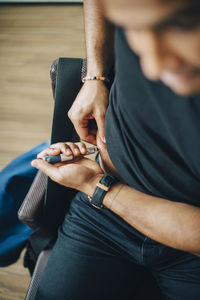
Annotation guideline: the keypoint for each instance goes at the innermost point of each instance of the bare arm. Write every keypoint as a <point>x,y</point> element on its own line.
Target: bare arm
<point>99,39</point>
<point>92,100</point>
<point>171,223</point>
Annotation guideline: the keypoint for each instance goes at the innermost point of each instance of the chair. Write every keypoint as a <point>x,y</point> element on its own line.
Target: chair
<point>38,209</point>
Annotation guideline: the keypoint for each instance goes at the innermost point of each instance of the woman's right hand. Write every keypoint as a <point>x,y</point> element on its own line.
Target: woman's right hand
<point>90,103</point>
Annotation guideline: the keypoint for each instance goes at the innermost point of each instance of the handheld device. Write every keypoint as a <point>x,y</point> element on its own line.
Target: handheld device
<point>52,159</point>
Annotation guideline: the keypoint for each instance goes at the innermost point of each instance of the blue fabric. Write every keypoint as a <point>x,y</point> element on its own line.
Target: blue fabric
<point>15,181</point>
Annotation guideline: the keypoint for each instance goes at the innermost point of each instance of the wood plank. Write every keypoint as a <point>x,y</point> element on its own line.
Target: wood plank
<point>31,37</point>
<point>14,281</point>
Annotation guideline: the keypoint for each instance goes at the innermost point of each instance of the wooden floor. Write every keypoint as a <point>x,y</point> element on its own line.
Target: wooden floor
<point>14,281</point>
<point>31,37</point>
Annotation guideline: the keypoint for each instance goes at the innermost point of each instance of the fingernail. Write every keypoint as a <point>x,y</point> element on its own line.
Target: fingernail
<point>76,151</point>
<point>104,139</point>
<point>69,151</point>
<point>33,163</point>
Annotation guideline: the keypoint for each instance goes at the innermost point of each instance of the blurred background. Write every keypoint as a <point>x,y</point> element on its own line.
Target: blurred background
<point>32,36</point>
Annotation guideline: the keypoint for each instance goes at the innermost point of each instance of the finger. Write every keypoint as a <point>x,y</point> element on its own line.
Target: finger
<point>100,119</point>
<point>78,148</point>
<point>82,147</point>
<point>54,149</point>
<point>63,148</point>
<point>48,169</point>
<point>73,148</point>
<point>83,131</point>
<point>67,148</point>
<point>48,151</point>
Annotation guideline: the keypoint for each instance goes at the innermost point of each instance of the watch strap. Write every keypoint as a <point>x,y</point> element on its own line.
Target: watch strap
<point>102,187</point>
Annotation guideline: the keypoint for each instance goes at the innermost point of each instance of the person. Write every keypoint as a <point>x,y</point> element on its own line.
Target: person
<point>137,207</point>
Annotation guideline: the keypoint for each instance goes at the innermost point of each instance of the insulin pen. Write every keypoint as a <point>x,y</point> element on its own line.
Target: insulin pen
<point>52,159</point>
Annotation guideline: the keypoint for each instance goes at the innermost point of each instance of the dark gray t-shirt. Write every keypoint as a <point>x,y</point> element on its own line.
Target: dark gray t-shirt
<point>152,134</point>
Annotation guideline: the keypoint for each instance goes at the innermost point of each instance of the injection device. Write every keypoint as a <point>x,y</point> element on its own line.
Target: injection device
<point>53,159</point>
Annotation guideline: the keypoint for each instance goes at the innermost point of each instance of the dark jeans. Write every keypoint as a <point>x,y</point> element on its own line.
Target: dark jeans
<point>99,256</point>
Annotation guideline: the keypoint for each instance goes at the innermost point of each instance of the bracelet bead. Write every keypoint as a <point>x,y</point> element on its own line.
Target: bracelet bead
<point>95,78</point>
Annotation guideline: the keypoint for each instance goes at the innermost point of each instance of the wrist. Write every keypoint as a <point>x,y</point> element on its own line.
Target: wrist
<point>101,189</point>
<point>95,68</point>
<point>95,71</point>
<point>97,78</point>
<point>91,184</point>
<point>96,84</point>
<point>112,195</point>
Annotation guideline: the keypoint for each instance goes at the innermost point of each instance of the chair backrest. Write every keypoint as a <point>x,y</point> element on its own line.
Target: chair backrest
<point>36,210</point>
<point>68,84</point>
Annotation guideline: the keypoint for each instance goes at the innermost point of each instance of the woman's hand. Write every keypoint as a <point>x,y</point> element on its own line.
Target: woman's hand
<point>82,174</point>
<point>90,103</point>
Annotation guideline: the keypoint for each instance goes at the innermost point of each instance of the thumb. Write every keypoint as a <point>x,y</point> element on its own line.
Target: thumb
<point>46,168</point>
<point>100,120</point>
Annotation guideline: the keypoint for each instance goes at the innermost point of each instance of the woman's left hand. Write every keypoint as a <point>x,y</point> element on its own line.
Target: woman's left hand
<point>82,174</point>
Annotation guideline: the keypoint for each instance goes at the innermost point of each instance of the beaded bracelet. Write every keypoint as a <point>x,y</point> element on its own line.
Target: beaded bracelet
<point>95,78</point>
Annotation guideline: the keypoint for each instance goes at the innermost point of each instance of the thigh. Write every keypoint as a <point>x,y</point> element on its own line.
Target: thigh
<point>85,264</point>
<point>73,275</point>
<point>181,280</point>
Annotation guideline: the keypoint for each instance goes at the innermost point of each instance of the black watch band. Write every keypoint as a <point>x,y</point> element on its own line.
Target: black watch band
<point>101,189</point>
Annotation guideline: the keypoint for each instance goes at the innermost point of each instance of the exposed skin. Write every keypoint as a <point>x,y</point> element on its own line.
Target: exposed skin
<point>92,100</point>
<point>171,223</point>
<point>168,48</point>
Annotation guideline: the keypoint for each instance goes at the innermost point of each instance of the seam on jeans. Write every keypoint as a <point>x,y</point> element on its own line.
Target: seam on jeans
<point>142,250</point>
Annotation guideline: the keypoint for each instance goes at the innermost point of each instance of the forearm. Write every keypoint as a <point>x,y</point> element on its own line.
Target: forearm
<point>171,223</point>
<point>99,34</point>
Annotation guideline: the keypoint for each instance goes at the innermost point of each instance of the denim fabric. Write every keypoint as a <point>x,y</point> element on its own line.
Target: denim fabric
<point>99,256</point>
